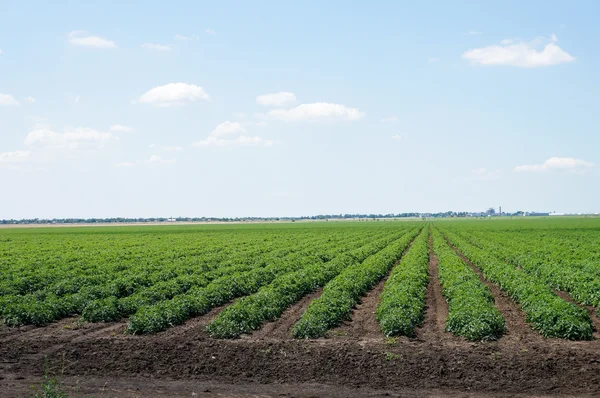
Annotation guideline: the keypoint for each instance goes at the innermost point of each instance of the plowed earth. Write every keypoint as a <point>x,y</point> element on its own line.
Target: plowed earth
<point>354,360</point>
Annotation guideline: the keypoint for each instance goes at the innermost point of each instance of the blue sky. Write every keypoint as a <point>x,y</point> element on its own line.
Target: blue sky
<point>272,108</point>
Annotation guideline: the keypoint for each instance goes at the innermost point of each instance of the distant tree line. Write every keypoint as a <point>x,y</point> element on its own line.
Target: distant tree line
<point>118,220</point>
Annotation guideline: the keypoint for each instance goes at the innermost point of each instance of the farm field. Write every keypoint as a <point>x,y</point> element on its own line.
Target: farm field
<point>483,307</point>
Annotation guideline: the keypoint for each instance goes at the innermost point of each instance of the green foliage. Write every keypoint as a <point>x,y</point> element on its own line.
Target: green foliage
<point>402,303</point>
<point>268,303</point>
<point>344,291</point>
<point>547,313</point>
<point>198,301</point>
<point>471,313</point>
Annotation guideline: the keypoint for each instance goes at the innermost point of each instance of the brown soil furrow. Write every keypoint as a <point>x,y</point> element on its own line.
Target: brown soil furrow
<point>436,307</point>
<point>280,329</point>
<point>517,328</point>
<point>194,328</point>
<point>590,309</point>
<point>61,329</point>
<point>363,323</point>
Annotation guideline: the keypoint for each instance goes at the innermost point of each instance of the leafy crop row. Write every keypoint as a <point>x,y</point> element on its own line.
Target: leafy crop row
<point>249,313</point>
<point>471,313</point>
<point>199,300</point>
<point>547,313</point>
<point>344,291</point>
<point>402,304</point>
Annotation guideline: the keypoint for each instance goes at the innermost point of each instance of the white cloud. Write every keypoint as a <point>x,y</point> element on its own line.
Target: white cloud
<point>173,94</point>
<point>473,32</point>
<point>155,47</point>
<point>30,100</point>
<point>262,123</point>
<point>74,99</point>
<point>389,119</point>
<point>433,60</point>
<point>185,38</point>
<point>565,164</point>
<point>72,138</point>
<point>242,140</point>
<point>167,148</point>
<point>518,53</point>
<point>81,39</point>
<point>396,137</point>
<point>119,128</point>
<point>229,129</point>
<point>276,99</point>
<point>210,31</point>
<point>0,51</point>
<point>6,99</point>
<point>125,164</point>
<point>11,158</point>
<point>316,111</point>
<point>159,160</point>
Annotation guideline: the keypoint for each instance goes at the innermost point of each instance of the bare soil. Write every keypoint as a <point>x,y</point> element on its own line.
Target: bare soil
<point>99,360</point>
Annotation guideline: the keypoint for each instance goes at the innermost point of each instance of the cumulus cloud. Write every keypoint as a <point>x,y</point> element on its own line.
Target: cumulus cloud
<point>231,134</point>
<point>155,47</point>
<point>242,140</point>
<point>316,111</point>
<point>389,119</point>
<point>119,128</point>
<point>0,51</point>
<point>82,39</point>
<point>228,128</point>
<point>30,100</point>
<point>565,164</point>
<point>396,137</point>
<point>276,99</point>
<point>210,31</point>
<point>71,138</point>
<point>174,94</point>
<point>6,99</point>
<point>11,158</point>
<point>536,53</point>
<point>159,160</point>
<point>433,60</point>
<point>473,32</point>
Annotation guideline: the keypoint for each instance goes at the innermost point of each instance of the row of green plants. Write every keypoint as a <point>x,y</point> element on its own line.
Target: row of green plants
<point>341,294</point>
<point>199,300</point>
<point>118,292</point>
<point>401,306</point>
<point>249,313</point>
<point>471,311</point>
<point>545,311</point>
<point>109,309</point>
<point>547,262</point>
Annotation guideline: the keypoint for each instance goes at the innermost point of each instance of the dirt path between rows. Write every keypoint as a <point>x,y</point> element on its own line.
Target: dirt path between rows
<point>436,307</point>
<point>281,328</point>
<point>363,323</point>
<point>517,329</point>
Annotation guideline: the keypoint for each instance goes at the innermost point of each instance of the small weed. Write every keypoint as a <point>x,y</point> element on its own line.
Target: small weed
<point>495,355</point>
<point>390,356</point>
<point>391,340</point>
<point>50,387</point>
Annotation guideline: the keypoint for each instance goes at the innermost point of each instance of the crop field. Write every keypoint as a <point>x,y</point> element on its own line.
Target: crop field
<point>493,305</point>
